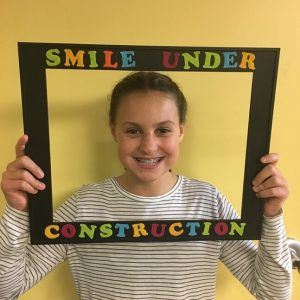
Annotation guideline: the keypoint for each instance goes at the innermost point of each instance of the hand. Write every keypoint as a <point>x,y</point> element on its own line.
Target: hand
<point>271,186</point>
<point>20,178</point>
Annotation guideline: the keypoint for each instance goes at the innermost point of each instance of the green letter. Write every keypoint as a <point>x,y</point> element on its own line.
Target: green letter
<point>53,59</point>
<point>93,60</point>
<point>188,58</point>
<point>238,228</point>
<point>206,228</point>
<point>85,230</point>
<point>105,230</point>
<point>208,64</point>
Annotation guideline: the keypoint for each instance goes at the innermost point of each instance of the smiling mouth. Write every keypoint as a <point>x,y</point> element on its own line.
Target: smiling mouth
<point>148,161</point>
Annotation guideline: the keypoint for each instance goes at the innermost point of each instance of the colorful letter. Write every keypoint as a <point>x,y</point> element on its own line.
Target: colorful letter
<point>166,60</point>
<point>175,232</point>
<point>121,228</point>
<point>85,230</point>
<point>238,228</point>
<point>48,231</point>
<point>212,60</point>
<point>221,228</point>
<point>53,58</point>
<point>78,58</point>
<point>247,59</point>
<point>105,230</point>
<point>192,226</point>
<point>107,59</point>
<point>139,229</point>
<point>154,230</point>
<point>68,231</point>
<point>127,59</point>
<point>229,60</point>
<point>93,59</point>
<point>206,228</point>
<point>194,60</point>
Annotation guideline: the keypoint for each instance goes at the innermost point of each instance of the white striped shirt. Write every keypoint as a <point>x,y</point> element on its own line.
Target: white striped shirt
<point>154,270</point>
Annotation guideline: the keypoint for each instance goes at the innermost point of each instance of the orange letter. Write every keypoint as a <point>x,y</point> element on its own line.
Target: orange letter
<point>247,58</point>
<point>78,58</point>
<point>108,63</point>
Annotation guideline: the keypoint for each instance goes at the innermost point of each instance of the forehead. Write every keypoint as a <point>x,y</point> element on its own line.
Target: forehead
<point>144,105</point>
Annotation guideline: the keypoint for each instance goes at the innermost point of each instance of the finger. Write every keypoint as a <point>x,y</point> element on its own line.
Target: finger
<point>20,146</point>
<point>273,181</point>
<point>13,187</point>
<point>26,163</point>
<point>271,158</point>
<point>268,171</point>
<point>275,193</point>
<point>26,176</point>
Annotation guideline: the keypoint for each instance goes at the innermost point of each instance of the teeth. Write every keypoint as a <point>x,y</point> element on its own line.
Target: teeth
<point>148,161</point>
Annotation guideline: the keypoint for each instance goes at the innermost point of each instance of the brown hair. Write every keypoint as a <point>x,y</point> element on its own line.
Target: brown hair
<point>147,81</point>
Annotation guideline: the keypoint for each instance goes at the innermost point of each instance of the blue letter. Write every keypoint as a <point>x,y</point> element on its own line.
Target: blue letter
<point>127,59</point>
<point>229,58</point>
<point>121,228</point>
<point>192,226</point>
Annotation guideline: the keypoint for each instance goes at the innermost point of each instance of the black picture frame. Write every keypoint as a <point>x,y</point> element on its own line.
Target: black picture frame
<point>35,58</point>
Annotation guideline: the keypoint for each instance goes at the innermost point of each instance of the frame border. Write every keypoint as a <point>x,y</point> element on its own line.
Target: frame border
<point>34,60</point>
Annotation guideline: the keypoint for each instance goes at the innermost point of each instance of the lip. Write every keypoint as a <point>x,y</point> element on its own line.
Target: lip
<point>148,163</point>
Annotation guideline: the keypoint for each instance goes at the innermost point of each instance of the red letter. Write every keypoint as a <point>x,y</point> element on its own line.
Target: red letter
<point>68,231</point>
<point>166,59</point>
<point>154,230</point>
<point>221,228</point>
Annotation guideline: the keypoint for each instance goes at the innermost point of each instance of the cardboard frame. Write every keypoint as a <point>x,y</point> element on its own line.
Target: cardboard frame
<point>35,58</point>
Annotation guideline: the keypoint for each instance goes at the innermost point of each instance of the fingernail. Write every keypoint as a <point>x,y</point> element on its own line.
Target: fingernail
<point>42,185</point>
<point>255,188</point>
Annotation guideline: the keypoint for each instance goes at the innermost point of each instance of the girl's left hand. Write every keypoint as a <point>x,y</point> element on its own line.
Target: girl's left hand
<point>271,186</point>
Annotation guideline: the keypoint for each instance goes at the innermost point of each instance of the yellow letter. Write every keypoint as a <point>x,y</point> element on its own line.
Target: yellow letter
<point>176,232</point>
<point>51,235</point>
<point>139,229</point>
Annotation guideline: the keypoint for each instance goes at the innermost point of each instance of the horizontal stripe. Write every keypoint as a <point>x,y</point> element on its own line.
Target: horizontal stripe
<point>179,270</point>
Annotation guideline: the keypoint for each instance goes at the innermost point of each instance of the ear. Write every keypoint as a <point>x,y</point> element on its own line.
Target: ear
<point>181,132</point>
<point>113,131</point>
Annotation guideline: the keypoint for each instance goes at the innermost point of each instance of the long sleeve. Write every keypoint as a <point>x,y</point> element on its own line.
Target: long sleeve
<point>265,270</point>
<point>21,264</point>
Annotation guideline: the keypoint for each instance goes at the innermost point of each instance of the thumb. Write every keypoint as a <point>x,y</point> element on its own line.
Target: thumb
<point>20,146</point>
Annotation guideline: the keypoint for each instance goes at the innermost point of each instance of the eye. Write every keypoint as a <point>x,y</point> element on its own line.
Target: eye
<point>133,131</point>
<point>163,131</point>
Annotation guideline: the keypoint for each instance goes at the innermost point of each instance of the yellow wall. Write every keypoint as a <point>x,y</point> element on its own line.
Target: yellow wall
<point>78,100</point>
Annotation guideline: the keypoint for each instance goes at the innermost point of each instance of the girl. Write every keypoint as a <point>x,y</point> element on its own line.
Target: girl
<point>147,116</point>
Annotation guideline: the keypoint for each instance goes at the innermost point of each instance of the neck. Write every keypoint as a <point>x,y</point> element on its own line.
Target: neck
<point>153,188</point>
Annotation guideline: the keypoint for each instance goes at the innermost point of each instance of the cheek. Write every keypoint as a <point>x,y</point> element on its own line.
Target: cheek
<point>171,147</point>
<point>126,146</point>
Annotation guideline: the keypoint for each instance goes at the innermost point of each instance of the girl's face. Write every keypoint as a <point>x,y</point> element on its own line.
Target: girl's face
<point>148,134</point>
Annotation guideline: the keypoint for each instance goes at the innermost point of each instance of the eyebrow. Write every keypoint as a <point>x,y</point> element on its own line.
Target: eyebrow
<point>163,123</point>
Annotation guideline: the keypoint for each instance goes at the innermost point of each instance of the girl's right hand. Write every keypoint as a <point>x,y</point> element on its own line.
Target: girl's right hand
<point>21,177</point>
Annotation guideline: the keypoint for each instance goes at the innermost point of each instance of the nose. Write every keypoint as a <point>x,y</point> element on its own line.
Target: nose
<point>148,143</point>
